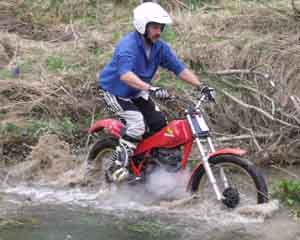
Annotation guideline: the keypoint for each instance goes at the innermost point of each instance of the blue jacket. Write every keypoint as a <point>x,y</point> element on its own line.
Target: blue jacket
<point>130,55</point>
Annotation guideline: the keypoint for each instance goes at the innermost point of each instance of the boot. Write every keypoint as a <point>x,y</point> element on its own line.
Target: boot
<point>121,158</point>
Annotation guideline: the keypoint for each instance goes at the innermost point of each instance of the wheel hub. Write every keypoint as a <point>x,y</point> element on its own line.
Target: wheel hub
<point>231,197</point>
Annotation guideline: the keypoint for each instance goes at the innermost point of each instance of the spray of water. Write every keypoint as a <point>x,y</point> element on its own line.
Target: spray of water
<point>51,169</point>
<point>167,185</point>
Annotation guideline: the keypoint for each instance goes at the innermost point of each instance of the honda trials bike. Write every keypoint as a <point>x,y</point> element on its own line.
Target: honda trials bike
<point>222,172</point>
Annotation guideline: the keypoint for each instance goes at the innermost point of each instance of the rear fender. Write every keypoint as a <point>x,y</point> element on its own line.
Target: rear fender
<point>225,151</point>
<point>112,126</point>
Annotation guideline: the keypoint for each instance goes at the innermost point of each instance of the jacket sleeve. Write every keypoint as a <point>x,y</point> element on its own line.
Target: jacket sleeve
<point>170,61</point>
<point>125,62</point>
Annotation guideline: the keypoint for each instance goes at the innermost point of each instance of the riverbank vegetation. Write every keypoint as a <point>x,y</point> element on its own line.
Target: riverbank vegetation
<point>288,191</point>
<point>50,54</point>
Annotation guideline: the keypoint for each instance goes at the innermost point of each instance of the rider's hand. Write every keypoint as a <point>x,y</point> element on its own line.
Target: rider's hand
<point>208,92</point>
<point>159,92</point>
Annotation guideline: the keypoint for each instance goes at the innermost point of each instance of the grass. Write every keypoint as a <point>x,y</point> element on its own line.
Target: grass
<point>288,191</point>
<point>56,11</point>
<point>170,81</point>
<point>33,129</point>
<point>55,63</point>
<point>5,74</point>
<point>202,39</point>
<point>116,36</point>
<point>97,52</point>
<point>169,35</point>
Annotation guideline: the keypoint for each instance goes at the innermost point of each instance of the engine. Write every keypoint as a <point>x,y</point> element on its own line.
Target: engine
<point>170,158</point>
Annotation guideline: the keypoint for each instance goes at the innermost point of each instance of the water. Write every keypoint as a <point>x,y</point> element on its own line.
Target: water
<point>42,213</point>
<point>57,222</point>
<point>61,222</point>
<point>36,212</point>
<point>49,222</point>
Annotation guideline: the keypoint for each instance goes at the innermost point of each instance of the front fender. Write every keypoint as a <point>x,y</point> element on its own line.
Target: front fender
<point>225,151</point>
<point>230,151</point>
<point>112,126</point>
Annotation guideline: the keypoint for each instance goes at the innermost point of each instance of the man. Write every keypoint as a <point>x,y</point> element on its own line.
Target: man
<point>126,80</point>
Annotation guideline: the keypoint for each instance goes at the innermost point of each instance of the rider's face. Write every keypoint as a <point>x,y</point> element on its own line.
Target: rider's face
<point>153,31</point>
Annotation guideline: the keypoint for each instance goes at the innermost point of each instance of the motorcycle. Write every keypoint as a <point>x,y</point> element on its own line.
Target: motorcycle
<point>223,172</point>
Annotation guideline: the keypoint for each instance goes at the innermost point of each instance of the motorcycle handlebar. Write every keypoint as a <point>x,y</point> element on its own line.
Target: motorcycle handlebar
<point>207,94</point>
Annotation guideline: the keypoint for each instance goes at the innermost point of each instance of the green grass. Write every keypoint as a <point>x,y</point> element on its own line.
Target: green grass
<point>98,52</point>
<point>194,4</point>
<point>54,11</point>
<point>169,35</point>
<point>5,74</point>
<point>33,129</point>
<point>10,129</point>
<point>116,36</point>
<point>288,192</point>
<point>55,63</point>
<point>170,81</point>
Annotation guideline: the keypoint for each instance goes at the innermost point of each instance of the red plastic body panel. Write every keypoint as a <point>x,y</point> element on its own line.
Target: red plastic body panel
<point>112,126</point>
<point>177,132</point>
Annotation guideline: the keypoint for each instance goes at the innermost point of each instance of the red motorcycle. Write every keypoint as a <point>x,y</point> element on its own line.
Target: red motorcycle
<point>233,180</point>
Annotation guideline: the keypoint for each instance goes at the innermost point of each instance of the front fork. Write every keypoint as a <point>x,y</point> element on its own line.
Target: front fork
<point>208,170</point>
<point>201,127</point>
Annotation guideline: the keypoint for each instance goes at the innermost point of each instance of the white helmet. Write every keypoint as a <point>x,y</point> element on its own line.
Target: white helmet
<point>149,12</point>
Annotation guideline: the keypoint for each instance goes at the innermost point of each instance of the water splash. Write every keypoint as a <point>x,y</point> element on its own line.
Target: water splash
<point>53,169</point>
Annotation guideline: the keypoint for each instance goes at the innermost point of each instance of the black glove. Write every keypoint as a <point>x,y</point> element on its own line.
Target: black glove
<point>208,92</point>
<point>159,92</point>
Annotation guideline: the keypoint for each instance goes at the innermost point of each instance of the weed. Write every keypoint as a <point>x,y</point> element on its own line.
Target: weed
<point>88,120</point>
<point>168,79</point>
<point>33,129</point>
<point>116,36</point>
<point>194,4</point>
<point>5,74</point>
<point>288,191</point>
<point>67,127</point>
<point>10,129</point>
<point>27,65</point>
<point>169,35</point>
<point>98,52</point>
<point>55,63</point>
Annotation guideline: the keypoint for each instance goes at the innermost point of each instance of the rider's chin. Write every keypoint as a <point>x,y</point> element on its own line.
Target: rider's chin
<point>155,38</point>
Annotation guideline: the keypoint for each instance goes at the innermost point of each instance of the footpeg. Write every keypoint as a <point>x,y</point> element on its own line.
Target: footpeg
<point>120,175</point>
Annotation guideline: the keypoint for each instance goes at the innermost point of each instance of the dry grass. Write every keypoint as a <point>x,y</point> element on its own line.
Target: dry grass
<point>60,59</point>
<point>256,38</point>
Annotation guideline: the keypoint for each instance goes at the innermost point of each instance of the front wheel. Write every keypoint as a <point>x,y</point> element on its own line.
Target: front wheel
<point>239,181</point>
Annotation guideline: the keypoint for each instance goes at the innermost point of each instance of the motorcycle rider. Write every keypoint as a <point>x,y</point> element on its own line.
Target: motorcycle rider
<point>126,80</point>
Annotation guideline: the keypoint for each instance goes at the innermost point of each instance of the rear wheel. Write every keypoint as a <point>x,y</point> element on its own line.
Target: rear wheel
<point>243,184</point>
<point>100,156</point>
